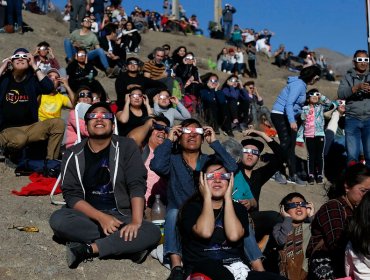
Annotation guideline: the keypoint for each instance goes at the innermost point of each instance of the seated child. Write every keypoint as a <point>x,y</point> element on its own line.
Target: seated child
<point>293,235</point>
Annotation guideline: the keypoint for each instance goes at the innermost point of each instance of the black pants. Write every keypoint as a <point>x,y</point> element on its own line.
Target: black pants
<point>216,271</point>
<point>315,155</point>
<point>71,225</point>
<point>287,138</point>
<point>252,68</point>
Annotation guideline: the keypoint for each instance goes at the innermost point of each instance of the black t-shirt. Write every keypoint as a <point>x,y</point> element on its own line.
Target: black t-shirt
<point>196,249</point>
<point>133,122</point>
<point>97,179</point>
<point>16,106</point>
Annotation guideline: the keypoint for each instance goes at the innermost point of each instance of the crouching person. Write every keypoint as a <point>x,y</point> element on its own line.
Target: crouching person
<point>103,184</point>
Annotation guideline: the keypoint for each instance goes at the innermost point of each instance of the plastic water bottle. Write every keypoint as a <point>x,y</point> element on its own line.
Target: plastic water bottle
<point>158,214</point>
<point>90,76</point>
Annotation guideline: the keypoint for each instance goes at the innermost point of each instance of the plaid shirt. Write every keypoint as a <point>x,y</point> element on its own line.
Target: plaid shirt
<point>329,224</point>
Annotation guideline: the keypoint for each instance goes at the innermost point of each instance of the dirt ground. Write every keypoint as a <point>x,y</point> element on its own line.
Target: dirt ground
<point>35,255</point>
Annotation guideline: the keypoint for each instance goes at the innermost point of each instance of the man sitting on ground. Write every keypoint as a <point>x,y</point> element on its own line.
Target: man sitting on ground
<point>19,89</point>
<point>104,213</point>
<point>85,38</point>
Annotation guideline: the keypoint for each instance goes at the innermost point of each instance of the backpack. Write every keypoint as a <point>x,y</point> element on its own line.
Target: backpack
<point>49,168</point>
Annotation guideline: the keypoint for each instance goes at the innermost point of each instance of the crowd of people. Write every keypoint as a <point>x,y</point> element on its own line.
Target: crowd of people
<point>116,157</point>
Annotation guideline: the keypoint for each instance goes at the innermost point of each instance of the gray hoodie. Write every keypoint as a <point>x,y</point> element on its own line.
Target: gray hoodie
<point>357,104</point>
<point>128,173</point>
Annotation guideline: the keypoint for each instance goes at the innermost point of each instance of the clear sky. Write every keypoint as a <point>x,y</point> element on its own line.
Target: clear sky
<point>339,25</point>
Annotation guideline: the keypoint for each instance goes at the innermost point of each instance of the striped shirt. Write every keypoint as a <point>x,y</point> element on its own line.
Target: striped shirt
<point>155,70</point>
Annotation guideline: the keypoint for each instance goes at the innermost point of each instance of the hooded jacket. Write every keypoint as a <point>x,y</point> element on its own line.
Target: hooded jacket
<point>127,171</point>
<point>357,104</point>
<point>291,99</point>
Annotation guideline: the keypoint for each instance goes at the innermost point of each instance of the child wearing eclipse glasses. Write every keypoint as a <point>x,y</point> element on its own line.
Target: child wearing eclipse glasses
<point>293,234</point>
<point>314,133</point>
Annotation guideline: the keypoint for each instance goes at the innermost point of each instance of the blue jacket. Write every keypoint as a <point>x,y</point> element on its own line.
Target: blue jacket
<point>32,86</point>
<point>291,99</point>
<point>208,95</point>
<point>235,93</point>
<point>180,182</point>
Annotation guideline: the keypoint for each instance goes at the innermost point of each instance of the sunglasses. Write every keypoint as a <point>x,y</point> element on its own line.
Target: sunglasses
<point>251,87</point>
<point>136,95</point>
<point>164,97</point>
<point>189,58</point>
<point>161,127</point>
<point>362,59</point>
<point>294,205</point>
<point>188,130</point>
<point>318,94</point>
<point>213,80</point>
<point>87,20</point>
<point>85,94</point>
<point>100,115</point>
<point>316,78</point>
<point>166,49</point>
<point>81,54</point>
<point>43,48</point>
<point>341,102</point>
<point>132,62</point>
<point>251,151</point>
<point>19,55</point>
<point>233,80</point>
<point>218,175</point>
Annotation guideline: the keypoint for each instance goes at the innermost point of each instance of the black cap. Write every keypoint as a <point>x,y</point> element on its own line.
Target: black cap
<point>254,142</point>
<point>133,58</point>
<point>97,105</point>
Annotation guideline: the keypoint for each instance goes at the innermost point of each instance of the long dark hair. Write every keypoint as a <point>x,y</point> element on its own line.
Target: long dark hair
<point>352,176</point>
<point>307,74</point>
<point>359,227</point>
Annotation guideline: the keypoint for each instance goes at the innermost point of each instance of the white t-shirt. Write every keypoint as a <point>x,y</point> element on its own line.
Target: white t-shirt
<point>356,266</point>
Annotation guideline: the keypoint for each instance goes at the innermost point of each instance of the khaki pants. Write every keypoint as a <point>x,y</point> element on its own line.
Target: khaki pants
<point>51,130</point>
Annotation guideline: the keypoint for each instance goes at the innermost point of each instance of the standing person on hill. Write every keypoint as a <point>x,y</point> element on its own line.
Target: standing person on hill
<point>354,88</point>
<point>285,116</point>
<point>15,8</point>
<point>77,13</point>
<point>227,19</point>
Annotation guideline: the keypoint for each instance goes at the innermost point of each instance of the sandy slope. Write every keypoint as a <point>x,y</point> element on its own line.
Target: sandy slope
<point>35,255</point>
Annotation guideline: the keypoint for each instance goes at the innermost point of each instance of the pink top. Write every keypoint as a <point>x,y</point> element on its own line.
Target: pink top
<point>309,125</point>
<point>154,183</point>
<point>71,131</point>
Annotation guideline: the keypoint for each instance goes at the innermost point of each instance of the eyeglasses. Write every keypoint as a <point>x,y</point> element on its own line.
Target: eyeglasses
<point>218,175</point>
<point>294,205</point>
<point>87,20</point>
<point>362,59</point>
<point>43,48</point>
<point>234,80</point>
<point>136,95</point>
<point>164,97</point>
<point>188,130</point>
<point>161,127</point>
<point>132,62</point>
<point>251,87</point>
<point>100,115</point>
<point>318,94</point>
<point>213,81</point>
<point>19,55</point>
<point>341,102</point>
<point>87,94</point>
<point>81,54</point>
<point>96,98</point>
<point>251,151</point>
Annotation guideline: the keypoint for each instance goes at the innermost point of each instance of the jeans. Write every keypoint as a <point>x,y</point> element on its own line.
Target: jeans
<point>15,6</point>
<point>78,11</point>
<point>357,132</point>
<point>70,51</point>
<point>227,28</point>
<point>44,5</point>
<point>172,244</point>
<point>251,249</point>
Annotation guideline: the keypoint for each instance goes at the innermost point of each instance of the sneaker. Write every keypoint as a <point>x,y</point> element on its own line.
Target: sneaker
<point>177,273</point>
<point>140,257</point>
<point>136,50</point>
<point>78,253</point>
<point>311,180</point>
<point>278,177</point>
<point>320,180</point>
<point>296,180</point>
